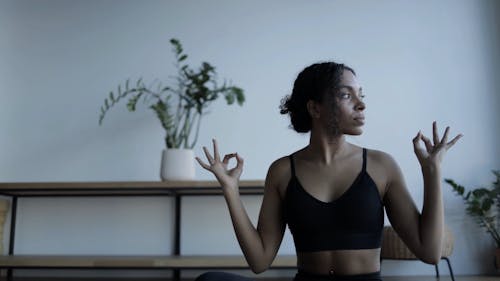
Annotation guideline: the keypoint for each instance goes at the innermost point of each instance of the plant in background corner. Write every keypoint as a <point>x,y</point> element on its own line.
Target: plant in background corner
<point>179,108</point>
<point>483,205</point>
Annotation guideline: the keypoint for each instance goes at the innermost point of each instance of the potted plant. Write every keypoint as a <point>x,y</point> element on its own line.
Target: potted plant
<point>179,109</point>
<point>483,205</point>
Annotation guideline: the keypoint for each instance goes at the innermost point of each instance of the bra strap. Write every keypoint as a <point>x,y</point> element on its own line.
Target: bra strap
<point>364,159</point>
<point>292,165</point>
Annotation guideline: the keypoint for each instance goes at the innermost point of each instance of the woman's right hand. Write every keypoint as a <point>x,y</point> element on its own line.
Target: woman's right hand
<point>228,178</point>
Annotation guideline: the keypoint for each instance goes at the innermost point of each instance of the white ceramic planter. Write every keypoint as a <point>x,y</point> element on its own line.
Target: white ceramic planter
<point>177,164</point>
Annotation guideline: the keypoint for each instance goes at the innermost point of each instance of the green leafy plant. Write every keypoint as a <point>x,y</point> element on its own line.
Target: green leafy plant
<point>179,108</point>
<point>483,205</point>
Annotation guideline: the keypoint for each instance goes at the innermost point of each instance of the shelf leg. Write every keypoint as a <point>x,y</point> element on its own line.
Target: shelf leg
<point>13,217</point>
<point>177,235</point>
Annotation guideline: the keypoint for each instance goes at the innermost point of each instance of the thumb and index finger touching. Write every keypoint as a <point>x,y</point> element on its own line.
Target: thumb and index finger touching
<point>212,160</point>
<point>429,145</point>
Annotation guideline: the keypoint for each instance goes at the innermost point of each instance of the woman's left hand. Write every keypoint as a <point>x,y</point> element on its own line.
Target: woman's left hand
<point>433,153</point>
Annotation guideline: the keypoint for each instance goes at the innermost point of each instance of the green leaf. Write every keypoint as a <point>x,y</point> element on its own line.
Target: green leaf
<point>176,45</point>
<point>240,97</point>
<point>229,99</point>
<point>461,190</point>
<point>162,112</point>
<point>487,204</point>
<point>480,192</point>
<point>132,102</point>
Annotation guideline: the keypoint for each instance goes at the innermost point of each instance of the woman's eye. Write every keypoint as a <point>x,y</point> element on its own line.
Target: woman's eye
<point>345,95</point>
<point>361,96</point>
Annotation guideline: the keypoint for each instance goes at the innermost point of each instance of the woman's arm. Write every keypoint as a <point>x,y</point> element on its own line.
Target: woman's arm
<point>422,232</point>
<point>259,245</point>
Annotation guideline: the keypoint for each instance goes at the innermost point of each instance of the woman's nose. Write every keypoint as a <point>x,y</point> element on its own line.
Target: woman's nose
<point>360,106</point>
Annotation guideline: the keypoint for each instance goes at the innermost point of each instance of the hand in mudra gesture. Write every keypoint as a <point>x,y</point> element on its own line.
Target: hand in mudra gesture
<point>433,152</point>
<point>228,178</point>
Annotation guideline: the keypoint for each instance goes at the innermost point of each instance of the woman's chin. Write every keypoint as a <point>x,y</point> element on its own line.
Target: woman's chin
<point>354,131</point>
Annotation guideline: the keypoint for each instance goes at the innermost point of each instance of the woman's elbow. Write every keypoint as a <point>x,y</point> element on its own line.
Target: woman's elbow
<point>433,258</point>
<point>258,268</point>
<point>427,255</point>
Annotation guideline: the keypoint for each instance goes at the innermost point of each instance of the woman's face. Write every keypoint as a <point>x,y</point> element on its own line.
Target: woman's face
<point>343,108</point>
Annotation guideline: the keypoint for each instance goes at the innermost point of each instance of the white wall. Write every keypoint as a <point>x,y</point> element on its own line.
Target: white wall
<point>418,61</point>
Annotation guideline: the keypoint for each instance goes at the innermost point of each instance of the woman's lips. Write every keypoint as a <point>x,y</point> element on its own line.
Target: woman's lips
<point>360,120</point>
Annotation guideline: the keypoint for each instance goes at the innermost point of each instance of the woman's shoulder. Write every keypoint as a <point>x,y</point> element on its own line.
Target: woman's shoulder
<point>379,157</point>
<point>280,173</point>
<point>280,168</point>
<point>382,168</point>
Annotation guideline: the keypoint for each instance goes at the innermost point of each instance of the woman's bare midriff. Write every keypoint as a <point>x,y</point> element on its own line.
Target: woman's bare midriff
<point>344,262</point>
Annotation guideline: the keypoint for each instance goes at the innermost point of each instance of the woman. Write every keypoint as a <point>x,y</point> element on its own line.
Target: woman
<point>332,193</point>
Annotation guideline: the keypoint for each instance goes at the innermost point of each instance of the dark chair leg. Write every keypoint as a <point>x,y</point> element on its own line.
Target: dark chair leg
<point>437,268</point>
<point>449,267</point>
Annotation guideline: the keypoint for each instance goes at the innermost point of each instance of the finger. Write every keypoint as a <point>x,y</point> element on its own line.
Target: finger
<point>240,161</point>
<point>427,142</point>
<point>416,142</point>
<point>227,157</point>
<point>205,166</point>
<point>454,140</point>
<point>435,133</point>
<point>417,137</point>
<point>444,140</point>
<point>216,150</point>
<point>209,157</point>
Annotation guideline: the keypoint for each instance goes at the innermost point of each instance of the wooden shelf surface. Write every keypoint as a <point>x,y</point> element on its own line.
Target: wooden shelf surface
<point>124,188</point>
<point>131,262</point>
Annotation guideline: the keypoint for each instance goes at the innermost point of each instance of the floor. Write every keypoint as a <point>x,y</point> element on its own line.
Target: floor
<point>387,278</point>
<point>433,278</point>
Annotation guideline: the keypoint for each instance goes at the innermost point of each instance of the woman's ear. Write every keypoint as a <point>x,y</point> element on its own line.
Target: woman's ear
<point>313,109</point>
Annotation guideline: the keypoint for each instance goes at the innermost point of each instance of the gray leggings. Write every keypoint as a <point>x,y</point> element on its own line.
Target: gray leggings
<point>300,276</point>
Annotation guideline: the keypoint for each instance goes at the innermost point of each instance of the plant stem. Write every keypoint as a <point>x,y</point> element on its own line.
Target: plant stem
<point>186,128</point>
<point>491,230</point>
<point>190,129</point>
<point>197,131</point>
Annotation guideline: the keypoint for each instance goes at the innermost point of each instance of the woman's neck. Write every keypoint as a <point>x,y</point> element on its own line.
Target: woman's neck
<point>325,148</point>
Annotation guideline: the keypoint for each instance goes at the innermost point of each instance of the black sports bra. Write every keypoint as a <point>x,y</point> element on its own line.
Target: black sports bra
<point>355,220</point>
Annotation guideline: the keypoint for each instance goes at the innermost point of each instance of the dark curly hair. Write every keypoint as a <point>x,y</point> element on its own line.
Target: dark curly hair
<point>311,84</point>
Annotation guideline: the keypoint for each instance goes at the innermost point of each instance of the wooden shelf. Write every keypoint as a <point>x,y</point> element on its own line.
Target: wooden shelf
<point>136,262</point>
<point>124,188</point>
<point>175,262</point>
